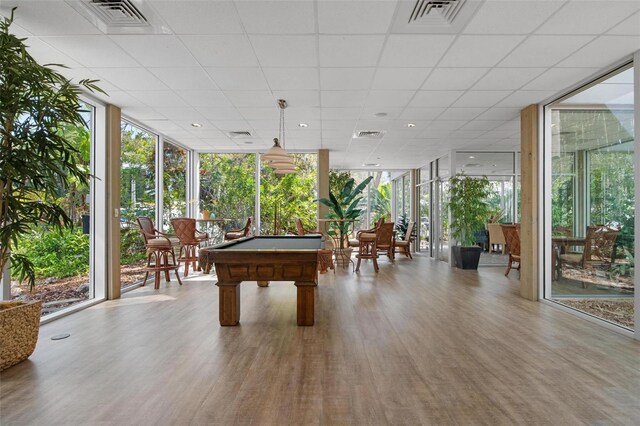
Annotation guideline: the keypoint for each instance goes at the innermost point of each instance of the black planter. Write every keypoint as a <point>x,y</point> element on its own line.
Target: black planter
<point>466,257</point>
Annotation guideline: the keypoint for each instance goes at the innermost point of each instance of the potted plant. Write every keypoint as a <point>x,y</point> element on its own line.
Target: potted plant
<point>344,209</point>
<point>36,161</point>
<point>470,211</point>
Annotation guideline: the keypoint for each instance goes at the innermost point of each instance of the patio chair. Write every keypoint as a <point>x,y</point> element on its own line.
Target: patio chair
<point>367,249</point>
<point>234,234</point>
<point>496,237</point>
<point>356,242</point>
<point>512,243</point>
<point>404,246</point>
<point>599,249</point>
<point>185,229</point>
<point>301,231</point>
<point>159,247</point>
<point>385,239</point>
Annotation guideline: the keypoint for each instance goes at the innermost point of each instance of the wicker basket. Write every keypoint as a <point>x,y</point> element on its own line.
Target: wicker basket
<point>19,324</point>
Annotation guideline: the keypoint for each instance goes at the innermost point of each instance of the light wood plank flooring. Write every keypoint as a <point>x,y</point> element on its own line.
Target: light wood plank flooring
<point>418,343</point>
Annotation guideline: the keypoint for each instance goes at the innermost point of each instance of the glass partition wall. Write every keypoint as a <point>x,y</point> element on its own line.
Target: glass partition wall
<point>589,138</point>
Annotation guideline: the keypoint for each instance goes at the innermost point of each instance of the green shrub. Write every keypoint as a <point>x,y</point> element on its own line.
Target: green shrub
<point>56,254</point>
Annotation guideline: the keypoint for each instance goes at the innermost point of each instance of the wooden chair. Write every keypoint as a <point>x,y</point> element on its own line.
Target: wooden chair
<point>356,242</point>
<point>404,246</point>
<point>159,247</point>
<point>599,249</point>
<point>367,249</point>
<point>512,243</point>
<point>301,231</point>
<point>234,234</point>
<point>385,239</point>
<point>325,256</point>
<point>185,229</point>
<point>496,237</point>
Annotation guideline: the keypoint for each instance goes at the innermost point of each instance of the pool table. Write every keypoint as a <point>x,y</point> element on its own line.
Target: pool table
<point>264,259</point>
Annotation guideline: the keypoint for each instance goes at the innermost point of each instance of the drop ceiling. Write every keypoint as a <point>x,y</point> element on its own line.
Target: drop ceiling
<point>339,65</point>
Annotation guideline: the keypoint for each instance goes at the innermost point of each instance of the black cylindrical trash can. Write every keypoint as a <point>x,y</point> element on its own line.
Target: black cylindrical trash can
<point>86,223</point>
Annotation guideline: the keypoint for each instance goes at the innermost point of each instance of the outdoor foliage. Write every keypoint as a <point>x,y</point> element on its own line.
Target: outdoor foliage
<point>38,162</point>
<point>402,225</point>
<point>381,202</point>
<point>174,178</point>
<point>469,207</point>
<point>56,254</point>
<point>344,205</point>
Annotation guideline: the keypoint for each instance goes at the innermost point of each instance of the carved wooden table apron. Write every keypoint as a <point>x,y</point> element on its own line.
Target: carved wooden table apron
<point>264,259</point>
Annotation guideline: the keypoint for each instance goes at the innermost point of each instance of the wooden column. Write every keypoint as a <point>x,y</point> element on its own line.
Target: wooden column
<point>114,142</point>
<point>529,249</point>
<point>323,183</point>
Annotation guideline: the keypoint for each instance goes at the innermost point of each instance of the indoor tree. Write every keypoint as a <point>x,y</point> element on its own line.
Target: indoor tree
<point>36,157</point>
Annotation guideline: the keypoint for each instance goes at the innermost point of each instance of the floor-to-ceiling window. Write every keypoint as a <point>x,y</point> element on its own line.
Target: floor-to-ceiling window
<point>591,248</point>
<point>285,198</point>
<point>137,197</point>
<point>63,260</point>
<point>443,167</point>
<point>174,182</point>
<point>424,217</point>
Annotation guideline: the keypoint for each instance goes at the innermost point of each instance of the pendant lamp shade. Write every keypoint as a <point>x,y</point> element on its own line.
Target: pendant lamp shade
<point>276,157</point>
<point>275,152</point>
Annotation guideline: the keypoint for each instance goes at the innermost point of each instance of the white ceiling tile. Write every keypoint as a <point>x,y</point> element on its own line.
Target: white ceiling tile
<point>121,99</point>
<point>263,113</point>
<point>181,114</point>
<point>238,78</point>
<point>298,113</point>
<point>435,98</point>
<point>481,98</point>
<point>461,113</point>
<point>277,17</point>
<point>507,78</point>
<point>340,113</point>
<point>447,78</point>
<point>251,98</point>
<point>204,98</point>
<point>346,78</point>
<point>373,111</point>
<point>48,18</point>
<point>392,98</point>
<point>511,17</point>
<point>603,51</point>
<point>343,98</point>
<point>421,113</point>
<point>77,74</point>
<point>299,98</point>
<point>44,53</point>
<point>285,51</point>
<point>523,98</point>
<point>92,50</point>
<point>630,26</point>
<point>335,17</point>
<point>131,78</point>
<point>559,78</point>
<point>399,78</point>
<point>221,50</point>
<point>445,125</point>
<point>588,17</point>
<point>230,125</point>
<point>155,50</point>
<point>408,50</point>
<point>336,125</point>
<point>479,50</point>
<point>292,78</point>
<point>350,51</point>
<point>500,114</point>
<point>153,98</point>
<point>184,78</point>
<point>200,17</point>
<point>544,51</point>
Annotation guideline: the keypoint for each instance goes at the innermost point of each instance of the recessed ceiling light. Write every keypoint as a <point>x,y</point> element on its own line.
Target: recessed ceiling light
<point>370,165</point>
<point>411,125</point>
<point>380,114</point>
<point>471,156</point>
<point>248,142</point>
<point>494,165</point>
<point>196,124</point>
<point>303,125</point>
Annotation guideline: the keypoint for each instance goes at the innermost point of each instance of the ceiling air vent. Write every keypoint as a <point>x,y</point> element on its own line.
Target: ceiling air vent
<point>369,134</point>
<point>436,11</point>
<point>117,13</point>
<point>239,134</point>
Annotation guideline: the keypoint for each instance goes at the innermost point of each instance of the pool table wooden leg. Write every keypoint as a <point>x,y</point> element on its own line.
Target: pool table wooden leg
<point>306,302</point>
<point>229,302</point>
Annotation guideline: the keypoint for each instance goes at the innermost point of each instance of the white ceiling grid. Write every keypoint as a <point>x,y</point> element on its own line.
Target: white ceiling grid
<point>339,64</point>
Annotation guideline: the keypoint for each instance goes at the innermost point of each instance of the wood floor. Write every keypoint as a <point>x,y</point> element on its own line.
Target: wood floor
<point>417,343</point>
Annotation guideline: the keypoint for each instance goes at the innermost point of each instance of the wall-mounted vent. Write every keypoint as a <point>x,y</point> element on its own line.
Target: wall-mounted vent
<point>369,134</point>
<point>436,11</point>
<point>239,134</point>
<point>121,16</point>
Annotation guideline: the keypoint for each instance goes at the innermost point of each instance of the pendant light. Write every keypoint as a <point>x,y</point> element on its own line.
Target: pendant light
<point>277,157</point>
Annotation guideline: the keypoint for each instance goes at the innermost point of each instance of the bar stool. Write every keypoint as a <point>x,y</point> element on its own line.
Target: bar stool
<point>159,248</point>
<point>367,249</point>
<point>185,229</point>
